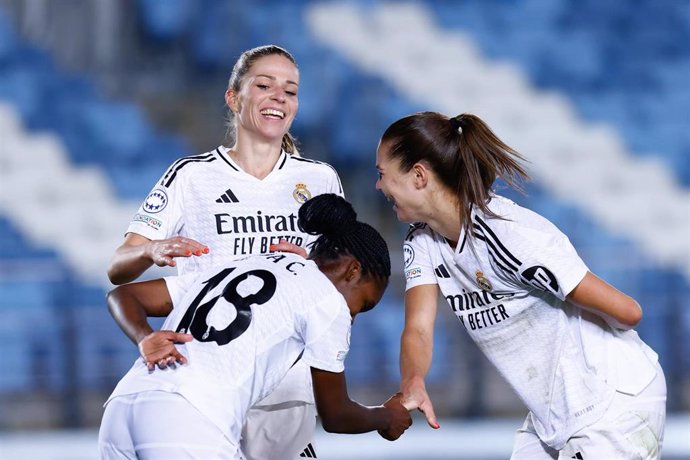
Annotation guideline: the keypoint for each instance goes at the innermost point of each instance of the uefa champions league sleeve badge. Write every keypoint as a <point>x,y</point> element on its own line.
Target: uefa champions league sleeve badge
<point>156,201</point>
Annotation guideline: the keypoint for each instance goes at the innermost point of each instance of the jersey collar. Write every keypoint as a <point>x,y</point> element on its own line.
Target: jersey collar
<point>224,154</point>
<point>462,239</point>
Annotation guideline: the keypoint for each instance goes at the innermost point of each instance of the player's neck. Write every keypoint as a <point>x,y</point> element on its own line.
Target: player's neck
<point>442,214</point>
<point>255,158</point>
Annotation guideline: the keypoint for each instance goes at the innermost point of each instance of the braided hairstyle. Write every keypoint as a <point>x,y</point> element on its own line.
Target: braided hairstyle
<point>332,217</point>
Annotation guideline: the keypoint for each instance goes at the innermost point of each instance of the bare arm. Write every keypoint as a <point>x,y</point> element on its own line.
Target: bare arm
<point>339,414</point>
<point>596,295</point>
<point>137,253</point>
<point>416,348</point>
<point>131,304</point>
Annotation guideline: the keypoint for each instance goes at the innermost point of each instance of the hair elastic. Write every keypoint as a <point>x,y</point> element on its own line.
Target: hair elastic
<point>455,123</point>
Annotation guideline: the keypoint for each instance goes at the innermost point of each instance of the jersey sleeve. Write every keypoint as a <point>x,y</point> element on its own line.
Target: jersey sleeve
<point>178,286</point>
<point>545,257</point>
<point>159,216</point>
<point>417,258</point>
<point>334,184</point>
<point>327,335</point>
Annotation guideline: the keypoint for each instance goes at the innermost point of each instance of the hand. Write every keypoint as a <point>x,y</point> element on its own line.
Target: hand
<point>163,252</point>
<point>159,348</point>
<point>414,396</point>
<point>400,418</point>
<point>284,246</point>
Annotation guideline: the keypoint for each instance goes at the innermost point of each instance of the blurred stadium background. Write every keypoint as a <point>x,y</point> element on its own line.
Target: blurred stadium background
<point>98,97</point>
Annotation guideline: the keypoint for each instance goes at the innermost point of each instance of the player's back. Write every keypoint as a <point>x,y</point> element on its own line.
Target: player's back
<point>251,319</point>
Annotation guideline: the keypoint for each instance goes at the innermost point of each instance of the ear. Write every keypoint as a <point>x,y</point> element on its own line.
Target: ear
<point>421,175</point>
<point>231,100</point>
<point>353,271</point>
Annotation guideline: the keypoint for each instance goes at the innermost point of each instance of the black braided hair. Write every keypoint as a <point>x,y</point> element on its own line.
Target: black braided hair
<point>332,217</point>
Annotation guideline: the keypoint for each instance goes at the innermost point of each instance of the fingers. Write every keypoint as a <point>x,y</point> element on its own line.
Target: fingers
<point>284,246</point>
<point>166,362</point>
<point>428,410</point>
<point>158,349</point>
<point>164,251</point>
<point>194,246</point>
<point>169,361</point>
<point>178,357</point>
<point>179,337</point>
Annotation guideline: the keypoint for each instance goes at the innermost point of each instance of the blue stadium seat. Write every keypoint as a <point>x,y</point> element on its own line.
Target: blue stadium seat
<point>166,21</point>
<point>8,40</point>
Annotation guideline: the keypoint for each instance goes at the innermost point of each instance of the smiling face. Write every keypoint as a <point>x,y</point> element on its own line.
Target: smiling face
<point>266,103</point>
<point>400,188</point>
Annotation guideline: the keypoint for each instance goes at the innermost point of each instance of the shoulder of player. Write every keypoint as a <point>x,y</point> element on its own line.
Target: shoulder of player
<point>417,230</point>
<point>188,165</point>
<point>513,218</point>
<point>296,269</point>
<point>316,165</point>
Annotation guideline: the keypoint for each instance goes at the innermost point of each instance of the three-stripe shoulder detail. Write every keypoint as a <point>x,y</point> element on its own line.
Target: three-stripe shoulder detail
<point>309,160</point>
<point>172,171</point>
<point>501,256</point>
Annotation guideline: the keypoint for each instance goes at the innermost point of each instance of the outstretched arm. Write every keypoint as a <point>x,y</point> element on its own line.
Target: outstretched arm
<point>596,295</point>
<point>131,304</point>
<point>339,414</point>
<point>416,349</point>
<point>137,253</point>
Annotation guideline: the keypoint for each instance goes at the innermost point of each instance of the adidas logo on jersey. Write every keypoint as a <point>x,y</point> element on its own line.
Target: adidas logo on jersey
<point>442,272</point>
<point>228,197</point>
<point>308,452</point>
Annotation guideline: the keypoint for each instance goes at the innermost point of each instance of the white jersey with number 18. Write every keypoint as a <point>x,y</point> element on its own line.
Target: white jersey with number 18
<point>251,319</point>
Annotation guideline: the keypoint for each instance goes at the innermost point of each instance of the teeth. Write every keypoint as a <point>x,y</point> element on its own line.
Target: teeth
<point>273,112</point>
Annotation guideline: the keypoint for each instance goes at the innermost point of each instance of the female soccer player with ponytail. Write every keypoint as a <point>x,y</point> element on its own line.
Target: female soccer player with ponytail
<point>561,336</point>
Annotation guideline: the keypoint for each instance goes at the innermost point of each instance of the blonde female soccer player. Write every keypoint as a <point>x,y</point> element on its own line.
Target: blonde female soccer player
<point>232,202</point>
<point>561,336</point>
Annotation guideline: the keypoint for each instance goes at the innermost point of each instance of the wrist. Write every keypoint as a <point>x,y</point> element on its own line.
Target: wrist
<point>147,251</point>
<point>411,381</point>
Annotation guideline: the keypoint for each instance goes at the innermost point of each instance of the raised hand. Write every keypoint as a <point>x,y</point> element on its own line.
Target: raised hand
<point>163,252</point>
<point>158,348</point>
<point>400,418</point>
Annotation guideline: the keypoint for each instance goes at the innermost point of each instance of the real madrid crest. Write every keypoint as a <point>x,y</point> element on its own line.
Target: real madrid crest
<point>301,194</point>
<point>483,282</point>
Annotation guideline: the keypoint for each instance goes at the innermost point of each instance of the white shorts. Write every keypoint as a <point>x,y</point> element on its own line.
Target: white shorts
<point>632,427</point>
<point>281,426</point>
<point>157,425</point>
<point>279,432</point>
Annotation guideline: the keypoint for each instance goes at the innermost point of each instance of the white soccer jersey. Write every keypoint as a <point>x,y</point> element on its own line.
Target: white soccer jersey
<point>251,319</point>
<point>210,199</point>
<point>508,285</point>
